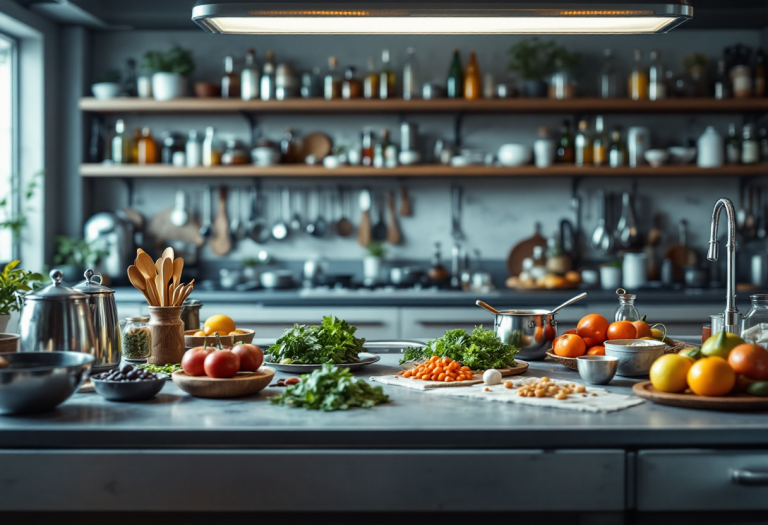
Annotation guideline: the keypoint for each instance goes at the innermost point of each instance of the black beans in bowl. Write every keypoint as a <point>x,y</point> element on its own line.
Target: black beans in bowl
<point>128,384</point>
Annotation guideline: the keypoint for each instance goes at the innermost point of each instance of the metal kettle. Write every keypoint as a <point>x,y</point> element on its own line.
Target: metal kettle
<point>57,318</point>
<point>106,325</point>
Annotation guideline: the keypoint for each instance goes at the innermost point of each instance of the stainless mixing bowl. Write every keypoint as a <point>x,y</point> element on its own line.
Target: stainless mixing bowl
<point>39,381</point>
<point>597,369</point>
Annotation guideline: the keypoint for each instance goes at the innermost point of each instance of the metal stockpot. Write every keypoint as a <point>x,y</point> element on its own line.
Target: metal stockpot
<point>106,325</point>
<point>57,318</point>
<point>532,331</point>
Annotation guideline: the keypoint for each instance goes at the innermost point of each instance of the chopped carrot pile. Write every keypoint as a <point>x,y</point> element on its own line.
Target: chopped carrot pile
<point>439,369</point>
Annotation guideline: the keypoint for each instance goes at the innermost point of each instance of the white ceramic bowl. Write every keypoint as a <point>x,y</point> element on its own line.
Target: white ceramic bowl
<point>105,90</point>
<point>265,156</point>
<point>656,157</point>
<point>408,158</point>
<point>514,154</point>
<point>635,355</point>
<point>681,155</point>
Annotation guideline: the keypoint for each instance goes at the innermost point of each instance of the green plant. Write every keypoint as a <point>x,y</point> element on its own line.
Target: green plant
<point>14,281</point>
<point>250,262</point>
<point>112,75</point>
<point>376,249</point>
<point>333,341</point>
<point>77,252</point>
<point>480,350</point>
<point>176,60</point>
<point>533,58</point>
<point>696,61</point>
<point>17,221</point>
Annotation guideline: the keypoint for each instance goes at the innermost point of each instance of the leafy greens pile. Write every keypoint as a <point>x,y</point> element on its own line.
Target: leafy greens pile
<point>331,388</point>
<point>333,341</point>
<point>480,351</point>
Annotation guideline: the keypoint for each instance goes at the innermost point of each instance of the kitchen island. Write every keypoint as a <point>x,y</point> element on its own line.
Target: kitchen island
<point>399,456</point>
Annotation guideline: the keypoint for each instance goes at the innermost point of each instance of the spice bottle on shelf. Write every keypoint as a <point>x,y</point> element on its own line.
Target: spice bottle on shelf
<point>473,83</point>
<point>722,88</point>
<point>267,81</point>
<point>366,151</point>
<point>137,340</point>
<point>170,146</point>
<point>657,87</point>
<point>565,149</point>
<point>609,85</point>
<point>234,154</point>
<point>455,84</point>
<point>289,149</point>
<point>211,148</point>
<point>758,83</point>
<point>638,79</point>
<point>741,80</point>
<point>371,82</point>
<point>351,87</point>
<point>732,146</point>
<point>194,150</point>
<point>750,146</point>
<point>380,148</point>
<point>410,75</point>
<point>600,143</point>
<point>249,77</point>
<point>617,153</point>
<point>147,149</point>
<point>583,145</point>
<point>122,145</point>
<point>710,149</point>
<point>135,144</point>
<point>230,81</point>
<point>386,77</point>
<point>332,80</point>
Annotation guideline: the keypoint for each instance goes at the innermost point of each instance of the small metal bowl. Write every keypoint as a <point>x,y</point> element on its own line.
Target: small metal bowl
<point>129,390</point>
<point>597,369</point>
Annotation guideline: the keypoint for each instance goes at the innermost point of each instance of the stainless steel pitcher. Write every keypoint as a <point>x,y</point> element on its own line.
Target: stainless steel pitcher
<point>57,318</point>
<point>106,325</point>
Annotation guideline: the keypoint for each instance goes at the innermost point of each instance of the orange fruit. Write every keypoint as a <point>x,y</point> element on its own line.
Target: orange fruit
<point>199,333</point>
<point>594,327</point>
<point>220,324</point>
<point>622,330</point>
<point>750,360</point>
<point>711,376</point>
<point>570,345</point>
<point>669,373</point>
<point>596,350</point>
<point>571,331</point>
<point>643,329</point>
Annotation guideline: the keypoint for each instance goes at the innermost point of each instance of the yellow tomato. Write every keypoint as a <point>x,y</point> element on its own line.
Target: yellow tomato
<point>220,324</point>
<point>669,373</point>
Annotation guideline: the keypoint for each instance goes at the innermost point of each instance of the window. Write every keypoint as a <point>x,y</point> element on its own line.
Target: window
<point>8,147</point>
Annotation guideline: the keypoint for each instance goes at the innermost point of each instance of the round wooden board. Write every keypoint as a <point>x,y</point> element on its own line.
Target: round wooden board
<point>243,384</point>
<point>732,403</point>
<point>192,341</point>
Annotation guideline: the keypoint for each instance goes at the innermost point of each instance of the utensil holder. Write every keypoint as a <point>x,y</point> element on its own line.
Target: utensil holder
<point>167,330</point>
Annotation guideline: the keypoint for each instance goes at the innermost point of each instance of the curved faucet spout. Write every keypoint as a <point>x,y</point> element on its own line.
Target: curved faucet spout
<point>732,321</point>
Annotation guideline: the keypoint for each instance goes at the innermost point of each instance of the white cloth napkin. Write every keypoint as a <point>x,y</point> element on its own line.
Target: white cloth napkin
<point>419,384</point>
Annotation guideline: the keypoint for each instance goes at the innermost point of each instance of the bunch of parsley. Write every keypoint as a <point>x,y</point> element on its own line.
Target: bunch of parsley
<point>333,341</point>
<point>480,351</point>
<point>331,388</point>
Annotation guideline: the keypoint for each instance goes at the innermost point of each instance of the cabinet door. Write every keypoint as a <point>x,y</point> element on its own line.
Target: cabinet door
<point>702,480</point>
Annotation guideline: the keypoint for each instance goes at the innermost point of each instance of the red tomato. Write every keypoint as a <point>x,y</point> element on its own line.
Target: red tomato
<point>194,359</point>
<point>222,364</point>
<point>250,356</point>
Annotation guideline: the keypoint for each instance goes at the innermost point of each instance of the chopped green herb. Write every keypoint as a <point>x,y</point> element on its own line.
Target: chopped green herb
<point>333,341</point>
<point>161,369</point>
<point>480,351</point>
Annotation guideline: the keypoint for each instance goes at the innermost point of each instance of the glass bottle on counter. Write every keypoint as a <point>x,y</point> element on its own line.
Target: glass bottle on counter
<point>566,152</point>
<point>657,82</point>
<point>386,77</point>
<point>289,149</point>
<point>122,145</point>
<point>410,75</point>
<point>609,84</point>
<point>332,80</point>
<point>638,79</point>
<point>617,153</point>
<point>473,82</point>
<point>249,77</point>
<point>583,145</point>
<point>380,148</point>
<point>194,150</point>
<point>351,87</point>
<point>750,146</point>
<point>760,74</point>
<point>626,310</point>
<point>722,88</point>
<point>600,143</point>
<point>211,148</point>
<point>455,84</point>
<point>366,151</point>
<point>230,81</point>
<point>371,82</point>
<point>267,81</point>
<point>147,148</point>
<point>732,146</point>
<point>756,318</point>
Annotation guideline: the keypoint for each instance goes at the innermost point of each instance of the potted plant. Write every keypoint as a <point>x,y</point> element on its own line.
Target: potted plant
<point>74,255</point>
<point>563,84</point>
<point>533,59</point>
<point>170,71</point>
<point>250,272</point>
<point>372,262</point>
<point>14,282</point>
<point>107,85</point>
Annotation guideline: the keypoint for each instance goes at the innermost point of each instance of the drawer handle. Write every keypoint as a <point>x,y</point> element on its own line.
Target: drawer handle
<point>747,477</point>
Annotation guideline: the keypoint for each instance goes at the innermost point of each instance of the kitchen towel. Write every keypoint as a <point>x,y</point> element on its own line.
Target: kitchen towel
<point>418,384</point>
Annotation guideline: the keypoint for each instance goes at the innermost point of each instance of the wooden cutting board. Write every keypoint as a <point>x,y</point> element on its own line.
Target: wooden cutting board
<point>730,403</point>
<point>163,230</point>
<point>243,384</point>
<point>221,243</point>
<point>523,250</point>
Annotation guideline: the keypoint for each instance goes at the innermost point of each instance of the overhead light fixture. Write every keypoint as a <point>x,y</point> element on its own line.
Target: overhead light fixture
<point>398,17</point>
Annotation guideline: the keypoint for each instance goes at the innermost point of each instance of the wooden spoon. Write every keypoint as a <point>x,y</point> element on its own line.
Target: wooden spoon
<point>145,265</point>
<point>168,254</point>
<point>138,282</point>
<point>487,306</point>
<point>178,266</point>
<point>405,203</point>
<point>188,291</point>
<point>221,243</point>
<point>393,232</point>
<point>177,293</point>
<point>167,273</point>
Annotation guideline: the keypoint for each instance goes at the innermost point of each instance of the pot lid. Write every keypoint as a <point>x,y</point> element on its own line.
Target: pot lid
<point>92,284</point>
<point>56,290</point>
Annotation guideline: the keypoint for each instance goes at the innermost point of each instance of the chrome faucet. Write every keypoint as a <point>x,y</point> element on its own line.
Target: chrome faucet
<point>732,321</point>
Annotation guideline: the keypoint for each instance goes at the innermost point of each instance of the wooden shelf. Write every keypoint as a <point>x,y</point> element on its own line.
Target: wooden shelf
<point>300,170</point>
<point>513,105</point>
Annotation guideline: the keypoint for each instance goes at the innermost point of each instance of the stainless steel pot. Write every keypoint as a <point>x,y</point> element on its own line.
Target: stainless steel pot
<point>190,314</point>
<point>532,331</point>
<point>57,318</point>
<point>277,279</point>
<point>106,325</point>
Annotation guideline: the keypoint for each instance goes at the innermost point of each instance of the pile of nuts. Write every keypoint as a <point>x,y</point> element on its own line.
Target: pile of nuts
<point>544,387</point>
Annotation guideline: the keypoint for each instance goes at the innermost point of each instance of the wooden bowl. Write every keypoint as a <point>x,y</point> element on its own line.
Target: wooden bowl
<point>243,384</point>
<point>207,90</point>
<point>191,341</point>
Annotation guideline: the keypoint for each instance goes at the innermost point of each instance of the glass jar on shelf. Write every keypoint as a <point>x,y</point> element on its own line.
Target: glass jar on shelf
<point>755,323</point>
<point>137,340</point>
<point>626,310</point>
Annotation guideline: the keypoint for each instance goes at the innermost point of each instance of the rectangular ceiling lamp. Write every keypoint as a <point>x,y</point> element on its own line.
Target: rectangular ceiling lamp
<point>619,17</point>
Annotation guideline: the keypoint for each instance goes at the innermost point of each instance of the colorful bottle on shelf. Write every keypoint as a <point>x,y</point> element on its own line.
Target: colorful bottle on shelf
<point>147,148</point>
<point>566,152</point>
<point>380,148</point>
<point>351,87</point>
<point>366,152</point>
<point>600,143</point>
<point>473,82</point>
<point>211,148</point>
<point>267,81</point>
<point>410,75</point>
<point>332,80</point>
<point>583,145</point>
<point>249,77</point>
<point>371,82</point>
<point>122,145</point>
<point>193,150</point>
<point>386,77</point>
<point>638,79</point>
<point>230,81</point>
<point>609,85</point>
<point>455,84</point>
<point>750,145</point>
<point>135,144</point>
<point>657,82</point>
<point>617,154</point>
